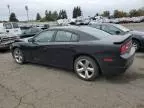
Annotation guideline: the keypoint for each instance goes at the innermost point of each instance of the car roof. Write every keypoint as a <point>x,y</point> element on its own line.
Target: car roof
<point>84,30</point>
<point>74,28</point>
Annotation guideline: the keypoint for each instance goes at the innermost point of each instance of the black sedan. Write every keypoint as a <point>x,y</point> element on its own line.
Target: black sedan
<point>116,29</point>
<point>89,51</point>
<point>30,32</point>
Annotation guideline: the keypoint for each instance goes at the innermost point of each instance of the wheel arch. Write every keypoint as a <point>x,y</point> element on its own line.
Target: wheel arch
<point>13,48</point>
<point>88,55</point>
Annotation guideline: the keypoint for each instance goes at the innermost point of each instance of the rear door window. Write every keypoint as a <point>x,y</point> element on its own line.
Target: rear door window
<point>63,36</point>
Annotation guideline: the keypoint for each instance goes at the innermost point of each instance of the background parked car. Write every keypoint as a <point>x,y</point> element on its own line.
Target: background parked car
<point>10,27</point>
<point>116,29</point>
<point>87,50</point>
<point>24,28</point>
<point>30,32</point>
<point>6,39</point>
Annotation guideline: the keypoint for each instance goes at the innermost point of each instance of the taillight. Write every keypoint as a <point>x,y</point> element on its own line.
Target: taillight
<point>125,47</point>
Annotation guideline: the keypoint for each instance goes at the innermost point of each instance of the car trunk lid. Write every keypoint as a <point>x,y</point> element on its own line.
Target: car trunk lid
<point>123,42</point>
<point>117,39</point>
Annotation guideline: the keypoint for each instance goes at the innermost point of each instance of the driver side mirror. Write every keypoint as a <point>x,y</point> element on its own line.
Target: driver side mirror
<point>117,32</point>
<point>31,40</point>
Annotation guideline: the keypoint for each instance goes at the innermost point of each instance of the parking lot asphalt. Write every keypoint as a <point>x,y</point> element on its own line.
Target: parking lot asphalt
<point>135,26</point>
<point>35,86</point>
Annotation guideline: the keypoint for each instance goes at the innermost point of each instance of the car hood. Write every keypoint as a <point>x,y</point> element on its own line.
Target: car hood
<point>137,33</point>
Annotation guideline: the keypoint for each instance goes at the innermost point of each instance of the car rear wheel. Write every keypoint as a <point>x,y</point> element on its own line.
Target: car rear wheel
<point>86,68</point>
<point>18,56</point>
<point>136,44</point>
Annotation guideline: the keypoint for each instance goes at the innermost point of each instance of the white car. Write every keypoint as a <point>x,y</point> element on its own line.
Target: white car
<point>10,27</point>
<point>6,39</point>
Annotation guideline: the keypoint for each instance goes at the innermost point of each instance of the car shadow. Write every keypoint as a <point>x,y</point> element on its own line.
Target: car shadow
<point>117,79</point>
<point>54,68</point>
<point>4,51</point>
<point>125,78</point>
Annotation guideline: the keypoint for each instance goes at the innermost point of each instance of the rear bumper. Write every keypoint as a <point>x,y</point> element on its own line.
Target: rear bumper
<point>119,65</point>
<point>111,70</point>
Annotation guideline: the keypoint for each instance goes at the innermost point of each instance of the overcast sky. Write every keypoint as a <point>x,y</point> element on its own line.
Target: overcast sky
<point>89,7</point>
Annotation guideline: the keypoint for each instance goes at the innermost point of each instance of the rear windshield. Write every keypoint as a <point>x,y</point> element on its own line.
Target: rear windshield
<point>95,32</point>
<point>122,28</point>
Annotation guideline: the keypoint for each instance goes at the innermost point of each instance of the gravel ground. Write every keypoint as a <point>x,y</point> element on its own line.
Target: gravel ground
<point>34,86</point>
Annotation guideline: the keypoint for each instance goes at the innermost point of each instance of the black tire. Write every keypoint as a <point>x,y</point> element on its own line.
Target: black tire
<point>22,59</point>
<point>136,44</point>
<point>93,64</point>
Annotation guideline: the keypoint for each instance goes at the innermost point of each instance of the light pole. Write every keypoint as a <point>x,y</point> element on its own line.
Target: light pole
<point>26,8</point>
<point>8,6</point>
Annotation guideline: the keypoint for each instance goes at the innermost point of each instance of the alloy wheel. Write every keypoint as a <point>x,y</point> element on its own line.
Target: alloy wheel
<point>18,56</point>
<point>85,68</point>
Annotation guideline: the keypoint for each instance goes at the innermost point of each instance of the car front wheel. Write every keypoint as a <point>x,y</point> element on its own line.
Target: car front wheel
<point>18,56</point>
<point>86,68</point>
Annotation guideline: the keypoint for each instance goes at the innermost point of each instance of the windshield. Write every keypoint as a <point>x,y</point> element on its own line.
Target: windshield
<point>95,32</point>
<point>122,28</point>
<point>8,25</point>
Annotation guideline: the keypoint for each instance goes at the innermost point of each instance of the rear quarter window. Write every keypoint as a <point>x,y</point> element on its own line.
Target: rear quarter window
<point>95,32</point>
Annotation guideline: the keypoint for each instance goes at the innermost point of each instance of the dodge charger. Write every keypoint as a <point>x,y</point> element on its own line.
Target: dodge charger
<point>88,51</point>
